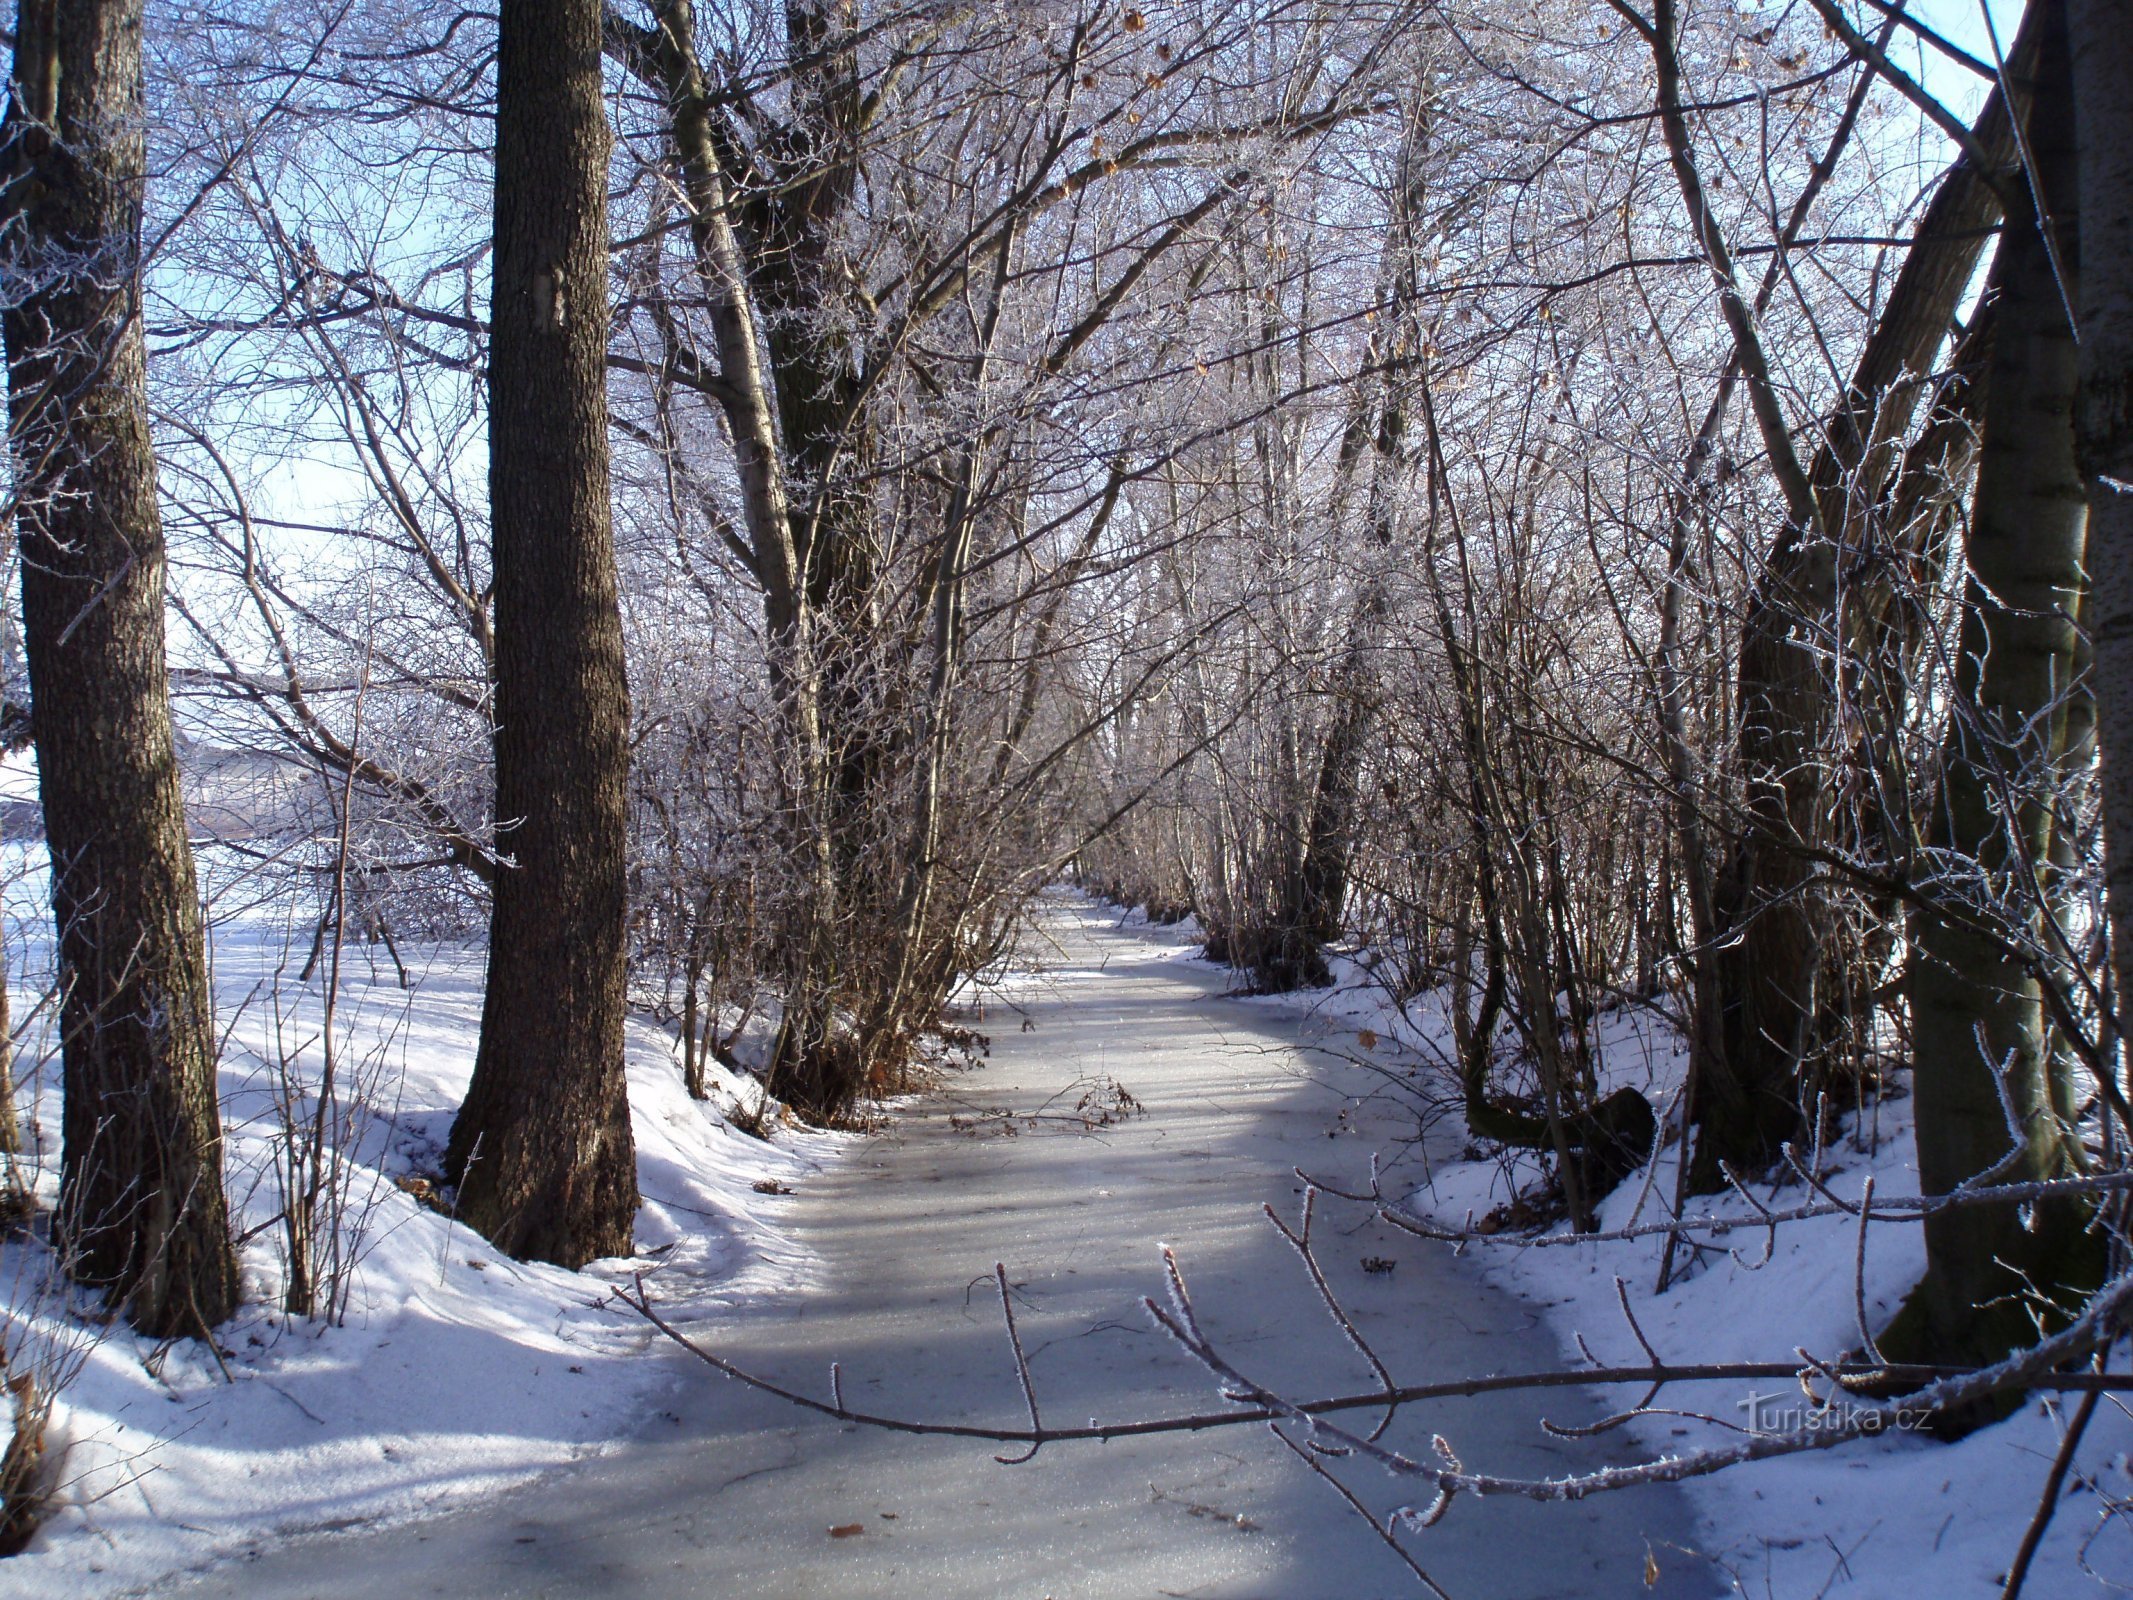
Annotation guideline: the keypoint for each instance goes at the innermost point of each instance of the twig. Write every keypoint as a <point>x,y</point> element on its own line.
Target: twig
<point>1901,1208</point>
<point>1301,1242</point>
<point>1860,1420</point>
<point>1458,1388</point>
<point>1383,1530</point>
<point>1029,1391</point>
<point>1866,1333</point>
<point>2048,1501</point>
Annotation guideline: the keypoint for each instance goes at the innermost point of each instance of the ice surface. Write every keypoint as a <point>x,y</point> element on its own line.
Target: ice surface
<point>731,1493</point>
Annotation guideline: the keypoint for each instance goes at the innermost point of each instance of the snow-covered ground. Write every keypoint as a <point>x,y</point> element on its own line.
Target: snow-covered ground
<point>453,1371</point>
<point>1884,1519</point>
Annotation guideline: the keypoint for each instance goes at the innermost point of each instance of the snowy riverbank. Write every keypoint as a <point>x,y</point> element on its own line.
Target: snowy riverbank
<point>457,1373</point>
<point>1884,1519</point>
<point>454,1371</point>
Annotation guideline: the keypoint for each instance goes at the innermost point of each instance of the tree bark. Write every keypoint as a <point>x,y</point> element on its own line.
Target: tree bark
<point>542,1150</point>
<point>2102,51</point>
<point>1773,919</point>
<point>141,1201</point>
<point>1977,1012</point>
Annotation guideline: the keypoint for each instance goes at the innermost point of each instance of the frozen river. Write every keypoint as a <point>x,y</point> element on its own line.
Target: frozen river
<point>730,1493</point>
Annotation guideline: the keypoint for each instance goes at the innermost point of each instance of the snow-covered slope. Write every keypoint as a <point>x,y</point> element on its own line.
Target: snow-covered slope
<point>1885,1519</point>
<point>453,1372</point>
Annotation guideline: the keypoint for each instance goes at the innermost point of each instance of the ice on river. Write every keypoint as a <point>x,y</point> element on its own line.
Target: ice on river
<point>729,1492</point>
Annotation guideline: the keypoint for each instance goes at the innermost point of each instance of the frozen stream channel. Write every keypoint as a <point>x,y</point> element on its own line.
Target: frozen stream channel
<point>729,1493</point>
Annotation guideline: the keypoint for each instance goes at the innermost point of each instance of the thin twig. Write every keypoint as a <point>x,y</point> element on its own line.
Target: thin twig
<point>1383,1530</point>
<point>1029,1390</point>
<point>1458,1388</point>
<point>1301,1242</point>
<point>2048,1501</point>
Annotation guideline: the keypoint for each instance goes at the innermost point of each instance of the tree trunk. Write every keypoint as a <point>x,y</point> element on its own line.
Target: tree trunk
<point>803,1069</point>
<point>542,1150</point>
<point>141,1200</point>
<point>2102,69</point>
<point>10,1123</point>
<point>1772,914</point>
<point>1976,1011</point>
<point>888,1033</point>
<point>1309,916</point>
<point>692,1050</point>
<point>1312,880</point>
<point>789,217</point>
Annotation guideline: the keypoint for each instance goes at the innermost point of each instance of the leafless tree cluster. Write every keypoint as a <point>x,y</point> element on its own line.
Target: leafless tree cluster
<point>1602,503</point>
<point>1684,603</point>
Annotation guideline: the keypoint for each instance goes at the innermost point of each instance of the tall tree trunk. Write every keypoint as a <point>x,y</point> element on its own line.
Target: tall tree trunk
<point>10,1123</point>
<point>1977,1013</point>
<point>1772,914</point>
<point>141,1199</point>
<point>2103,110</point>
<point>542,1150</point>
<point>665,58</point>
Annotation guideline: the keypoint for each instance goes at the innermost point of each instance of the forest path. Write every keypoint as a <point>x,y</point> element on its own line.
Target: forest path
<point>730,1493</point>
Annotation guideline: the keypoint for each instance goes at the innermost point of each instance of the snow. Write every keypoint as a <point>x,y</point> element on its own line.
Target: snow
<point>455,1372</point>
<point>1881,1519</point>
<point>735,1493</point>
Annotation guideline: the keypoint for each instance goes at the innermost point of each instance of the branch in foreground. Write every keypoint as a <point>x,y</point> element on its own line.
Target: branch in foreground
<point>1253,1411</point>
<point>1856,1419</point>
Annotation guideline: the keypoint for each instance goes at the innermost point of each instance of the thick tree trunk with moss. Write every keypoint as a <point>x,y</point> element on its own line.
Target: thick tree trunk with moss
<point>1977,1012</point>
<point>542,1151</point>
<point>141,1201</point>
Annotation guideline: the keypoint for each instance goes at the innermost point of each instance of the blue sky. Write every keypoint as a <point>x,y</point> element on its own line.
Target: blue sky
<point>1962,22</point>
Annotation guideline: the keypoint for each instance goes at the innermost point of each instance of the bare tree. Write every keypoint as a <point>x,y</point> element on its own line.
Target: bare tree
<point>1774,920</point>
<point>1980,1023</point>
